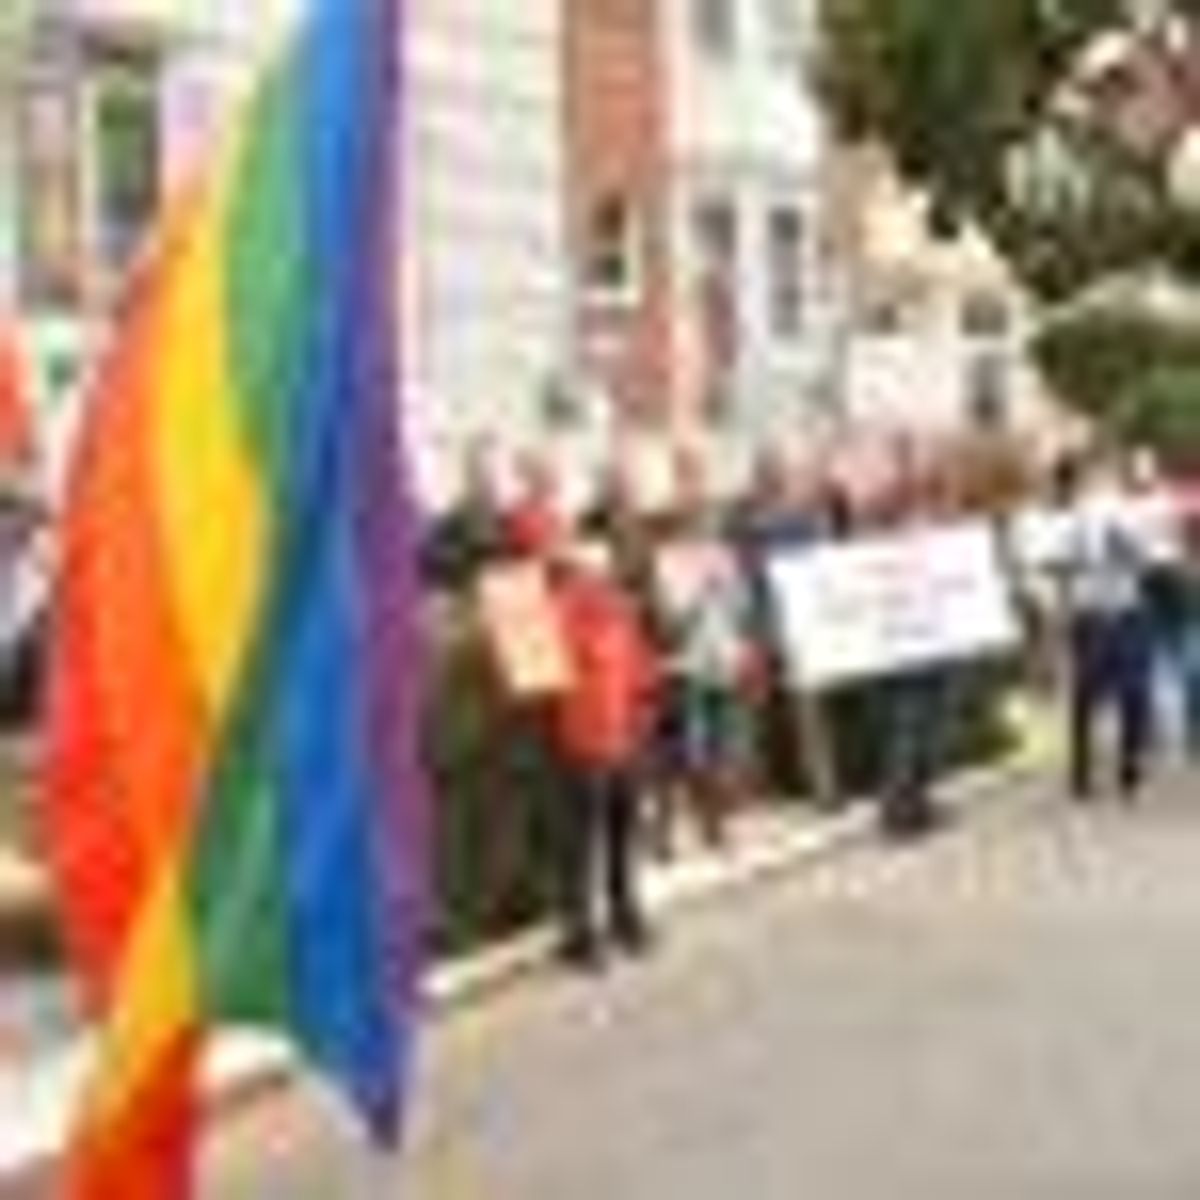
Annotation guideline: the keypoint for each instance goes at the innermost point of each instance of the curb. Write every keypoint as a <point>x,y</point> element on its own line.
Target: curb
<point>248,1067</point>
<point>480,976</point>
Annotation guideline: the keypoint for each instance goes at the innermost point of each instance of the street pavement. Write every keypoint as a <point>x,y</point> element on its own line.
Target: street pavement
<point>1009,1011</point>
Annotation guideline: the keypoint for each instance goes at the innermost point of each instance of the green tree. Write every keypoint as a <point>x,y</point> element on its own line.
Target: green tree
<point>968,96</point>
<point>1138,373</point>
<point>959,91</point>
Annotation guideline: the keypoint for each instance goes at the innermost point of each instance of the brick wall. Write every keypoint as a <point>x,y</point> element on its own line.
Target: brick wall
<point>616,147</point>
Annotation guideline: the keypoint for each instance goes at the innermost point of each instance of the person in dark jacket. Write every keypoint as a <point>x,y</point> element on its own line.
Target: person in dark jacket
<point>912,709</point>
<point>776,516</point>
<point>461,541</point>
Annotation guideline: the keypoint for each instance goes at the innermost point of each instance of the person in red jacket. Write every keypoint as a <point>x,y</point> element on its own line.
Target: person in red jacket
<point>602,721</point>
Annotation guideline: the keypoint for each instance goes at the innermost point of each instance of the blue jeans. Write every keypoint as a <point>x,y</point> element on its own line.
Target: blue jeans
<point>1188,663</point>
<point>1112,669</point>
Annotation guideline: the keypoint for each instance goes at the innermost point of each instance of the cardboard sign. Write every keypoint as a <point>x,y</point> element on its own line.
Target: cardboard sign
<point>522,629</point>
<point>886,604</point>
<point>683,570</point>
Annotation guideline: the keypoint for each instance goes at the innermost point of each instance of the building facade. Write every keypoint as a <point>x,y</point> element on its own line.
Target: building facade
<point>107,103</point>
<point>487,337</point>
<point>935,328</point>
<point>695,149</point>
<point>745,159</point>
<point>617,196</point>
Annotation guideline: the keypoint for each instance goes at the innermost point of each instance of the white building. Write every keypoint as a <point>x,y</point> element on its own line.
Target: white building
<point>109,102</point>
<point>106,105</point>
<point>487,270</point>
<point>937,327</point>
<point>745,148</point>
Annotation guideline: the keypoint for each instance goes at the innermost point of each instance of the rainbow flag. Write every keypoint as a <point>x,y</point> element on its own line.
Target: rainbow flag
<point>233,801</point>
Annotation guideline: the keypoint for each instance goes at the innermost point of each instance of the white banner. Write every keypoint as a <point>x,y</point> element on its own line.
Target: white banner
<point>860,609</point>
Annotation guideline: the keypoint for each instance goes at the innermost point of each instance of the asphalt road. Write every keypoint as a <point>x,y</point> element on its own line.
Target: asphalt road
<point>1010,1011</point>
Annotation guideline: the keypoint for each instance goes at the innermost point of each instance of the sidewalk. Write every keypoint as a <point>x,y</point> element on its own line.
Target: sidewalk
<point>36,1104</point>
<point>36,1101</point>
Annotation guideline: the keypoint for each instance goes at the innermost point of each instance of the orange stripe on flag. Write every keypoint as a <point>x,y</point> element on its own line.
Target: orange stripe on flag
<point>126,724</point>
<point>135,1137</point>
<point>143,1150</point>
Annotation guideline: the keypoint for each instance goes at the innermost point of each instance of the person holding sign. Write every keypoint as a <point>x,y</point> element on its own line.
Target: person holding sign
<point>632,515</point>
<point>602,720</point>
<point>779,516</point>
<point>913,712</point>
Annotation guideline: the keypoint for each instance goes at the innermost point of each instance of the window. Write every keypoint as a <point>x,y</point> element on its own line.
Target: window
<point>89,157</point>
<point>784,20</point>
<point>610,266</point>
<point>987,391</point>
<point>50,234</point>
<point>715,232</point>
<point>716,236</point>
<point>716,27</point>
<point>985,315</point>
<point>785,271</point>
<point>891,304</point>
<point>123,88</point>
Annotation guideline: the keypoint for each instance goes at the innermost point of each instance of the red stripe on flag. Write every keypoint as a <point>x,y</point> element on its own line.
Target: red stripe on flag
<point>144,1148</point>
<point>125,723</point>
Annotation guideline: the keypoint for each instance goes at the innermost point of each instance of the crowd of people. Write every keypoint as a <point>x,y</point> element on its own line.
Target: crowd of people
<point>678,699</point>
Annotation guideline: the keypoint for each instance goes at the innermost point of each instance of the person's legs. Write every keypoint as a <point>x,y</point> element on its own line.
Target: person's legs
<point>780,733</point>
<point>1085,694</point>
<point>933,742</point>
<point>1134,682</point>
<point>576,840</point>
<point>667,783</point>
<point>734,785</point>
<point>906,807</point>
<point>715,777</point>
<point>626,913</point>
<point>927,741</point>
<point>1189,668</point>
<point>697,745</point>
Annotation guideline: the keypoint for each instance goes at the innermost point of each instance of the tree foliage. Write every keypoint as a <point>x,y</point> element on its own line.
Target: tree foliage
<point>1138,374</point>
<point>955,90</point>
<point>963,92</point>
<point>947,86</point>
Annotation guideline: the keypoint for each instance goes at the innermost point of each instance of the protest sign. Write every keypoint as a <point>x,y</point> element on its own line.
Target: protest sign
<point>685,568</point>
<point>522,629</point>
<point>887,604</point>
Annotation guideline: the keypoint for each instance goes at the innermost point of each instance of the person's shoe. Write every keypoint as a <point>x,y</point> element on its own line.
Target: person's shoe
<point>914,821</point>
<point>938,818</point>
<point>634,938</point>
<point>581,953</point>
<point>1132,783</point>
<point>1081,792</point>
